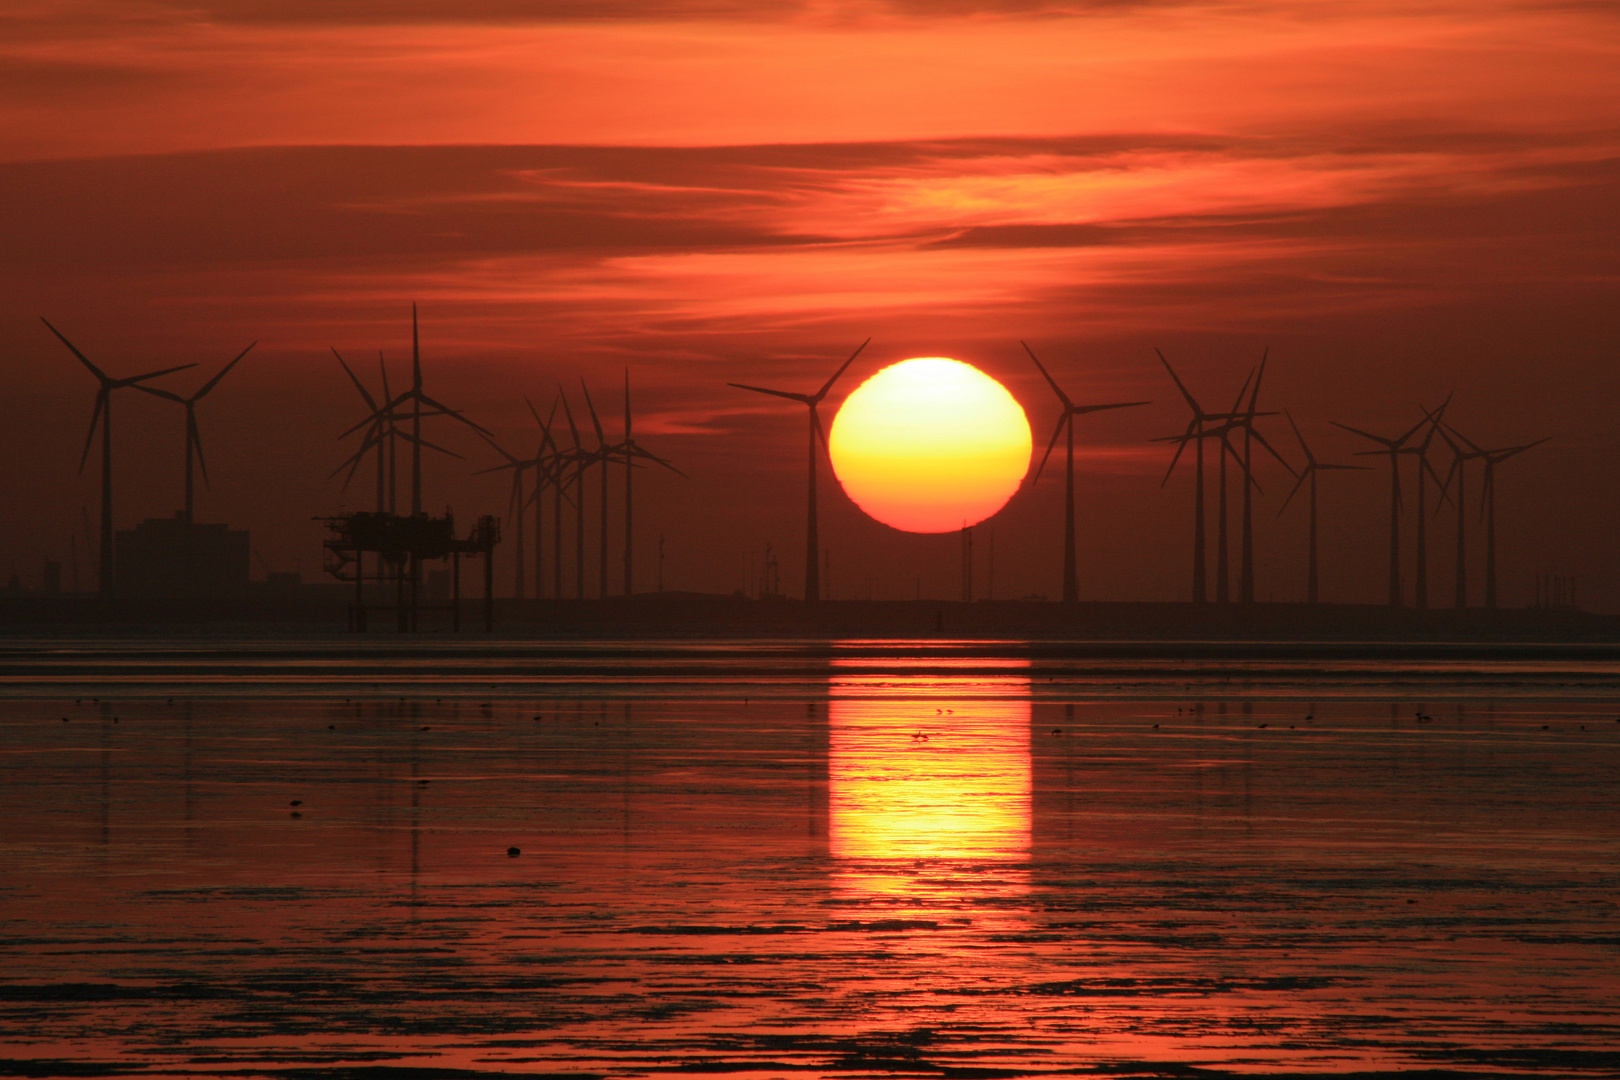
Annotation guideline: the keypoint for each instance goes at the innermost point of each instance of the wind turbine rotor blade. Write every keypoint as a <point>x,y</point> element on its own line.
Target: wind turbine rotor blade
<point>573,428</point>
<point>639,452</point>
<point>157,391</point>
<point>1192,403</point>
<point>1066,418</point>
<point>408,437</point>
<point>499,449</point>
<point>371,402</point>
<point>416,352</point>
<point>596,421</point>
<point>826,386</point>
<point>1445,494</point>
<point>388,395</point>
<point>1310,459</point>
<point>1082,410</point>
<point>803,399</point>
<point>95,419</point>
<point>194,436</point>
<point>1304,475</point>
<point>1473,446</point>
<point>1261,439</point>
<point>1181,445</point>
<point>133,379</point>
<point>1056,389</point>
<point>85,360</point>
<point>1254,396</point>
<point>1366,435</point>
<point>815,424</point>
<point>1238,404</point>
<point>211,383</point>
<point>445,410</point>
<point>1413,430</point>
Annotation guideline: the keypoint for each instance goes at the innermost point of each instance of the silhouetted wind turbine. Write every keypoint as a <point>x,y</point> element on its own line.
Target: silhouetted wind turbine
<point>1420,575</point>
<point>631,450</point>
<point>375,438</point>
<point>1065,426</point>
<point>1492,459</point>
<point>1250,437</point>
<point>1223,574</point>
<point>602,455</point>
<point>383,433</point>
<point>103,416</point>
<point>193,435</point>
<point>1459,458</point>
<point>1312,467</point>
<point>581,458</point>
<point>515,506</point>
<point>1392,448</point>
<point>1195,428</point>
<point>812,552</point>
<point>547,467</point>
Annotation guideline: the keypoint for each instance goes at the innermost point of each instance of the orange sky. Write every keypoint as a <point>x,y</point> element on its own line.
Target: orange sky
<point>1400,199</point>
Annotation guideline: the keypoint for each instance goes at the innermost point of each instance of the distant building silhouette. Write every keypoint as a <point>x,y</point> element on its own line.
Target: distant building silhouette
<point>175,556</point>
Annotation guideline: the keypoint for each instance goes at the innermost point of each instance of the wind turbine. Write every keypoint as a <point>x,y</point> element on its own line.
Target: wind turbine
<point>1492,459</point>
<point>602,455</point>
<point>1222,561</point>
<point>1195,428</point>
<point>515,506</point>
<point>1459,459</point>
<point>1065,426</point>
<point>193,435</point>
<point>1312,467</point>
<point>547,468</point>
<point>383,433</point>
<point>631,449</point>
<point>103,416</point>
<point>1393,448</point>
<point>812,550</point>
<point>581,459</point>
<point>1420,576</point>
<point>1250,437</point>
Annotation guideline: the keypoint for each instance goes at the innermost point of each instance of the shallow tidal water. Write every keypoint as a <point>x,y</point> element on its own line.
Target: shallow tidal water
<point>970,859</point>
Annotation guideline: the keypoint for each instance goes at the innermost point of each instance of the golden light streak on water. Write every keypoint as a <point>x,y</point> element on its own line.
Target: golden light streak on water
<point>926,768</point>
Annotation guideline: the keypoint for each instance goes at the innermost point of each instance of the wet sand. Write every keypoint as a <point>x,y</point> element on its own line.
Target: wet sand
<point>798,859</point>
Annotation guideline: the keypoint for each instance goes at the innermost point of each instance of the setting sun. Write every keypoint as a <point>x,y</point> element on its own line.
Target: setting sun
<point>930,445</point>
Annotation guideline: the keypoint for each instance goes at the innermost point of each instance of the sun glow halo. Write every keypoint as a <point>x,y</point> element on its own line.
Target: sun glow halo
<point>930,445</point>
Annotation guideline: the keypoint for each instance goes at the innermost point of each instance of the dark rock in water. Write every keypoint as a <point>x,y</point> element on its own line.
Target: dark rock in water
<point>296,802</point>
<point>512,852</point>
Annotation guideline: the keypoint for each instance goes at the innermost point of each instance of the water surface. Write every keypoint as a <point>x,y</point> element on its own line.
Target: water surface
<point>790,859</point>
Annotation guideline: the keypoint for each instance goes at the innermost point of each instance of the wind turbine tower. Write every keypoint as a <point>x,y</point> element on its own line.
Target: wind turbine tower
<point>1392,448</point>
<point>193,433</point>
<point>103,416</point>
<point>818,440</point>
<point>1312,467</point>
<point>1065,426</point>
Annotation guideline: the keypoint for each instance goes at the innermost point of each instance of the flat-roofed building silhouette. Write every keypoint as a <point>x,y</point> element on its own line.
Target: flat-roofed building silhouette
<point>179,557</point>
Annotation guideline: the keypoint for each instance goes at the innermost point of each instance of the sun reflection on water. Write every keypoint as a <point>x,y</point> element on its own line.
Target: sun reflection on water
<point>927,772</point>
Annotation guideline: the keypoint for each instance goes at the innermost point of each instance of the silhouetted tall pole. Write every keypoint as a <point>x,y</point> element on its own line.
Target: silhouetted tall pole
<point>1195,433</point>
<point>194,450</point>
<point>103,416</point>
<point>812,540</point>
<point>1420,574</point>
<point>416,415</point>
<point>1065,425</point>
<point>1459,459</point>
<point>1246,567</point>
<point>1492,459</point>
<point>1312,467</point>
<point>633,450</point>
<point>1223,573</point>
<point>1392,449</point>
